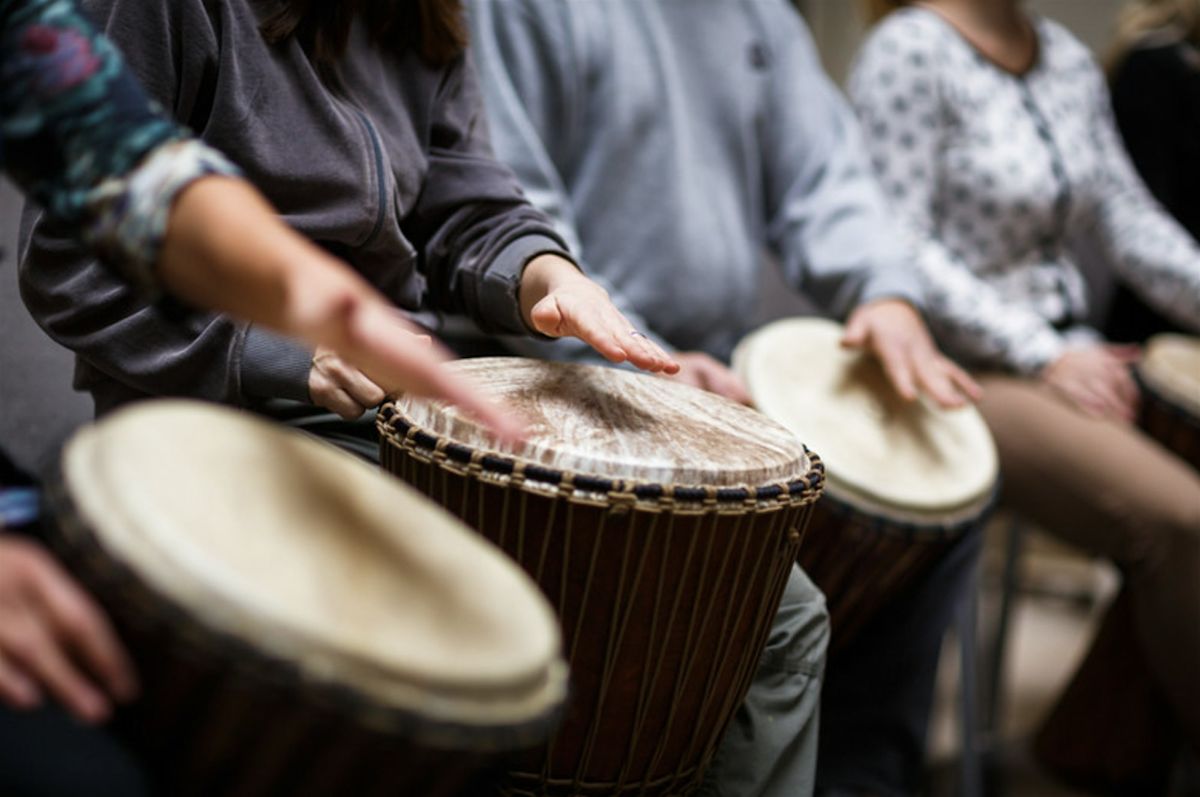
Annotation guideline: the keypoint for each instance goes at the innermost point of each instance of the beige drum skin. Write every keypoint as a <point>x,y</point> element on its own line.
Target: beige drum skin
<point>302,624</point>
<point>904,478</point>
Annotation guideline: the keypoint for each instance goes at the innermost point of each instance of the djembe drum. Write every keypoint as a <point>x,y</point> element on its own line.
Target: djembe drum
<point>904,479</point>
<point>1169,375</point>
<point>661,521</point>
<point>301,623</point>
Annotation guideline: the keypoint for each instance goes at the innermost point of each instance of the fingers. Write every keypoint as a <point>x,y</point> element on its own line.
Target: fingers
<point>587,313</point>
<point>857,331</point>
<point>83,629</point>
<point>388,347</point>
<point>705,372</point>
<point>899,369</point>
<point>350,380</point>
<point>29,645</point>
<point>17,689</point>
<point>965,383</point>
<point>1125,353</point>
<point>325,393</point>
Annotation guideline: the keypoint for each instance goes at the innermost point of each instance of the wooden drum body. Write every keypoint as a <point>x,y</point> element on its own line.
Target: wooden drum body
<point>1169,376</point>
<point>661,522</point>
<point>301,624</point>
<point>904,480</point>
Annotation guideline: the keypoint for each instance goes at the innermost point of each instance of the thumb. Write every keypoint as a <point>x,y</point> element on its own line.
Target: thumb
<point>856,333</point>
<point>548,317</point>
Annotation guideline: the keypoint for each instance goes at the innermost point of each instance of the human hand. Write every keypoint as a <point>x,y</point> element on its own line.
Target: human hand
<point>54,639</point>
<point>708,373</point>
<point>559,301</point>
<point>366,348</point>
<point>259,270</point>
<point>1096,379</point>
<point>341,388</point>
<point>894,331</point>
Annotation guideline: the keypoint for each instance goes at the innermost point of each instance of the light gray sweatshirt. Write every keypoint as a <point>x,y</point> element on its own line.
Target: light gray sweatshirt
<point>675,143</point>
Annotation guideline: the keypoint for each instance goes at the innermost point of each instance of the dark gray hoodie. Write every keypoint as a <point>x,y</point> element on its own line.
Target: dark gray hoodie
<point>382,159</point>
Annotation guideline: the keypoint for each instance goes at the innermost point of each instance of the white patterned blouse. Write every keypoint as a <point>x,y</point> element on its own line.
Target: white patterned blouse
<point>1003,177</point>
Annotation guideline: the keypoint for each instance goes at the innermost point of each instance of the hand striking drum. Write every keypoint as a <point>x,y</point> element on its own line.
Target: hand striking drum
<point>905,479</point>
<point>302,624</point>
<point>662,522</point>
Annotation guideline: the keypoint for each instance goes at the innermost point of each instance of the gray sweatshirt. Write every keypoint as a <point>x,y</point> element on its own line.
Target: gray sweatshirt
<point>383,160</point>
<point>675,142</point>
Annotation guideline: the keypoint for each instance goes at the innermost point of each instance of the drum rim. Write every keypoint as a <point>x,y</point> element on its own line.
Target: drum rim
<point>953,523</point>
<point>395,429</point>
<point>1166,400</point>
<point>146,607</point>
<point>841,487</point>
<point>1164,389</point>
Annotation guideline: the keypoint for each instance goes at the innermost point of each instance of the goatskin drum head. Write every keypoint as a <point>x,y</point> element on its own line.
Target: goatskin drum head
<point>316,558</point>
<point>911,456</point>
<point>614,423</point>
<point>1171,367</point>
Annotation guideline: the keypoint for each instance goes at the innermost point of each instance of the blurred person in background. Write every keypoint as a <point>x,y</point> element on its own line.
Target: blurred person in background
<point>992,131</point>
<point>1154,71</point>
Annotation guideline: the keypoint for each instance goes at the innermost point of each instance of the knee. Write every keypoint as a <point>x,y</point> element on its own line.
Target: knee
<point>800,633</point>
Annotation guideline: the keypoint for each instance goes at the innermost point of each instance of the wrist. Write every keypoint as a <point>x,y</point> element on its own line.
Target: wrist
<point>540,277</point>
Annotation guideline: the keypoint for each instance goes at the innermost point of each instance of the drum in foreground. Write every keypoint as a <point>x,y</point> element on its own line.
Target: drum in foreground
<point>904,479</point>
<point>661,521</point>
<point>1169,376</point>
<point>301,623</point>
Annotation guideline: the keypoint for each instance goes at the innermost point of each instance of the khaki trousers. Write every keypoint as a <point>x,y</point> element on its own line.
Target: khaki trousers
<point>1112,491</point>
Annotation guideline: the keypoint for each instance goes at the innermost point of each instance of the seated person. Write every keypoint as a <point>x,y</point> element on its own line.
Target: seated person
<point>674,142</point>
<point>364,128</point>
<point>992,131</point>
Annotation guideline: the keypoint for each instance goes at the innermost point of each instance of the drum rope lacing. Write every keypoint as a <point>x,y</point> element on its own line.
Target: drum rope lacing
<point>461,459</point>
<point>429,462</point>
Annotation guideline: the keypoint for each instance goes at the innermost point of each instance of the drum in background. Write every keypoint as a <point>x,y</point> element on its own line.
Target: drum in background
<point>662,522</point>
<point>1169,375</point>
<point>903,479</point>
<point>301,623</point>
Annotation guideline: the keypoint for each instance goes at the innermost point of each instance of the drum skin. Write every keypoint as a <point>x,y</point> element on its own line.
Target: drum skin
<point>905,480</point>
<point>666,593</point>
<point>1169,377</point>
<point>221,715</point>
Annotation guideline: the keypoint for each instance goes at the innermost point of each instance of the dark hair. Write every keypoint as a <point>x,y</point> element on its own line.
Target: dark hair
<point>435,28</point>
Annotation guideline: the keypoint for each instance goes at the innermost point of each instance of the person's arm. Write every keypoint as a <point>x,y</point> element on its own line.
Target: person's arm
<point>828,220</point>
<point>261,270</point>
<point>1153,253</point>
<point>969,316</point>
<point>830,225</point>
<point>528,66</point>
<point>93,311</point>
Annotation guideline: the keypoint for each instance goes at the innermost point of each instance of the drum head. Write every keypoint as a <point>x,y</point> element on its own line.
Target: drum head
<point>1171,367</point>
<point>313,557</point>
<point>875,446</point>
<point>613,423</point>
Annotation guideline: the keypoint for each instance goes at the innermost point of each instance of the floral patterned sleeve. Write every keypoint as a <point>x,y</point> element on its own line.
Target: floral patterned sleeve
<point>79,136</point>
